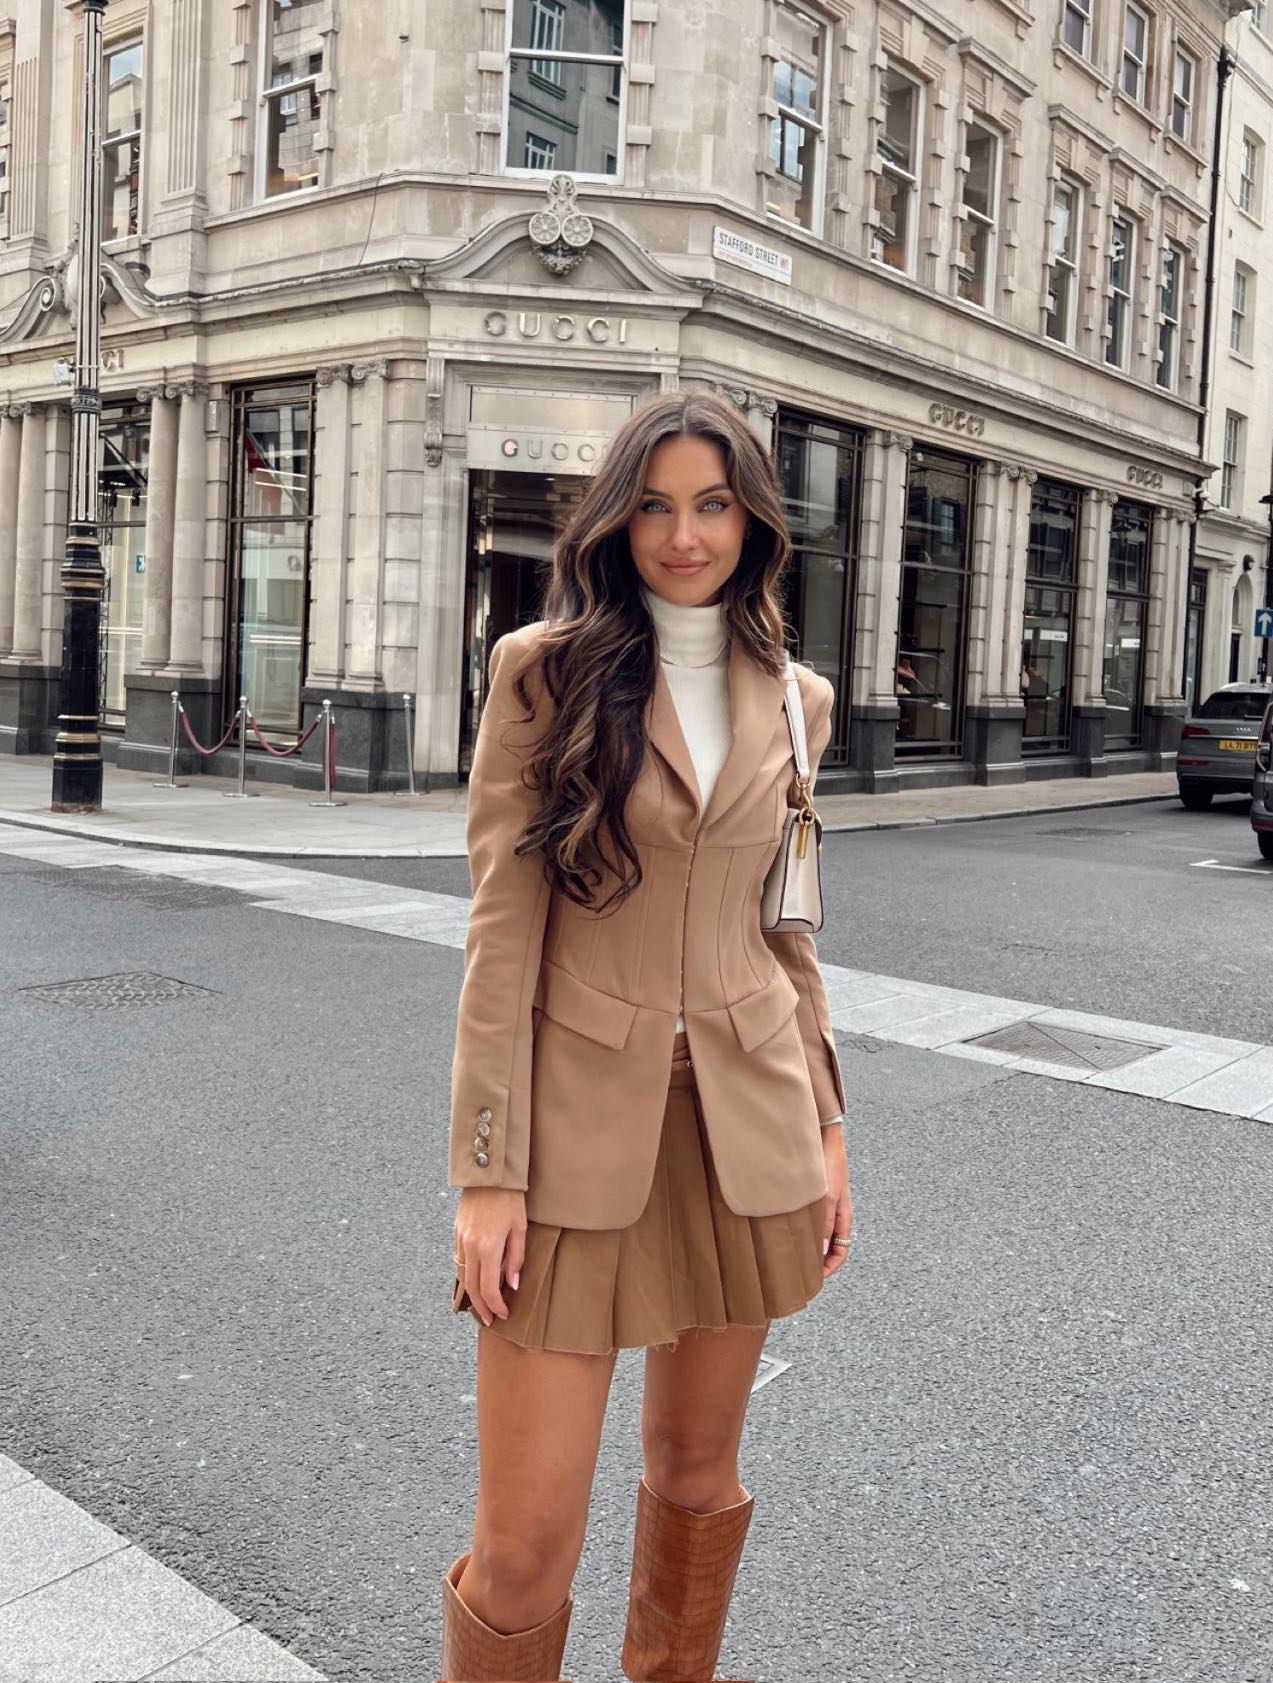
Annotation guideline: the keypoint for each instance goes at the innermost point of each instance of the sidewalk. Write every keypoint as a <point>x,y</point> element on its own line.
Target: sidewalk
<point>282,822</point>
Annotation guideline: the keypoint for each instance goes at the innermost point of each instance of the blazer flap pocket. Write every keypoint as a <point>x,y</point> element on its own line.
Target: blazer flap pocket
<point>586,1010</point>
<point>758,1015</point>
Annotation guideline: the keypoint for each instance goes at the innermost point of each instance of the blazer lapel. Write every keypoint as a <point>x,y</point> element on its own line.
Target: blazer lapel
<point>755,707</point>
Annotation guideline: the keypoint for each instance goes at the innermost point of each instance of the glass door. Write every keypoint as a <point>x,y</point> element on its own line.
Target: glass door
<point>514,521</point>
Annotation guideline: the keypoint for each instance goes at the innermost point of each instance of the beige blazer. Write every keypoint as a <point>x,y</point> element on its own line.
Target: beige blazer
<point>567,1017</point>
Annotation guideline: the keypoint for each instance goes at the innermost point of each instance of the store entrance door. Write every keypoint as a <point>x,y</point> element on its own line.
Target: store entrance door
<point>514,520</point>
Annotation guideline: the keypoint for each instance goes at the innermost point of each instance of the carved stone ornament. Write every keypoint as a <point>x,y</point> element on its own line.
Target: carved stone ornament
<point>561,234</point>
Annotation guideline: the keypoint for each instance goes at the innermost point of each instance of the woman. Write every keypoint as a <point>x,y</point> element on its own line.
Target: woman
<point>646,1099</point>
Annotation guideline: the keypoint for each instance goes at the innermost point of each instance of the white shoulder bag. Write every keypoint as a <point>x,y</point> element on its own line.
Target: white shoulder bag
<point>791,898</point>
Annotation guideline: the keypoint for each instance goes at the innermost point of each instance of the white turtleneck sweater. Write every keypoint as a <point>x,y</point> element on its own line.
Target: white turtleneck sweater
<point>694,654</point>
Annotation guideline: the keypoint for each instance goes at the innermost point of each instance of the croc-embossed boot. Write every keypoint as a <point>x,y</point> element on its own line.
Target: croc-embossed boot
<point>683,1570</point>
<point>474,1653</point>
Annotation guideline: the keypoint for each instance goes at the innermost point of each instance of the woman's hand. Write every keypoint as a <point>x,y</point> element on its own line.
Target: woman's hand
<point>490,1239</point>
<point>838,1203</point>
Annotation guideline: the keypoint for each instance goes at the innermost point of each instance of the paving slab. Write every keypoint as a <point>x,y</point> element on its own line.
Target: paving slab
<point>44,1535</point>
<point>1162,1074</point>
<point>1243,1087</point>
<point>239,1654</point>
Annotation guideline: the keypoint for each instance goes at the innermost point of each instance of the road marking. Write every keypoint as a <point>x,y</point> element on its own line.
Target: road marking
<point>886,1008</point>
<point>1242,870</point>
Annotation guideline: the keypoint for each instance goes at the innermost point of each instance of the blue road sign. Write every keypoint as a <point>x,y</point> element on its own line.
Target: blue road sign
<point>1264,622</point>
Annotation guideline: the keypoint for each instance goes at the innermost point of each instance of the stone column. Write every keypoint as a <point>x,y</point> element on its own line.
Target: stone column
<point>873,731</point>
<point>189,532</point>
<point>331,527</point>
<point>994,712</point>
<point>365,590</point>
<point>1164,708</point>
<point>1088,711</point>
<point>10,460</point>
<point>161,493</point>
<point>30,556</point>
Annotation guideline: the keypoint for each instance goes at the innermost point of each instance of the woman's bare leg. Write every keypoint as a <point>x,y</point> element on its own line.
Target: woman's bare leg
<point>539,1420</point>
<point>693,1413</point>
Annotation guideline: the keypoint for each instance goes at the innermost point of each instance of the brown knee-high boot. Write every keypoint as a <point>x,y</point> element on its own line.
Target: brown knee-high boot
<point>474,1653</point>
<point>683,1570</point>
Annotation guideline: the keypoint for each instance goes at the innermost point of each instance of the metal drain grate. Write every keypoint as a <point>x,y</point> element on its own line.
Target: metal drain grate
<point>1070,1047</point>
<point>115,993</point>
<point>158,894</point>
<point>1082,831</point>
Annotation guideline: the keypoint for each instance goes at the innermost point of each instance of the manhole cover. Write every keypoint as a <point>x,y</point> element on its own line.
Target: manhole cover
<point>1063,1046</point>
<point>159,894</point>
<point>113,993</point>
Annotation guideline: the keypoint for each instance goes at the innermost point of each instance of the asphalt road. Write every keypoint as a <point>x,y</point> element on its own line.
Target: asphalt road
<point>1026,1435</point>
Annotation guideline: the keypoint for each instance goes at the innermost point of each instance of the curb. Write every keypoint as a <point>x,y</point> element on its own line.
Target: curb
<point>164,844</point>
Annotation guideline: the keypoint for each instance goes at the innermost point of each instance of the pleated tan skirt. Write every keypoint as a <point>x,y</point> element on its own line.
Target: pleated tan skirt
<point>687,1261</point>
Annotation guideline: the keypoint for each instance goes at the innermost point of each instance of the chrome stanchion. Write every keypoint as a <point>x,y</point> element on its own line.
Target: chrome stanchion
<point>409,722</point>
<point>326,738</point>
<point>242,793</point>
<point>172,751</point>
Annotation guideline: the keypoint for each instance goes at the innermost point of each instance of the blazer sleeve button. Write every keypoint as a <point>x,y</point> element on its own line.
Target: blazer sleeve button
<point>481,1159</point>
<point>483,1130</point>
<point>484,1115</point>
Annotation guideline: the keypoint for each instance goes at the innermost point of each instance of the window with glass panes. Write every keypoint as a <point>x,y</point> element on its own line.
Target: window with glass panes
<point>1047,634</point>
<point>122,476</point>
<point>291,106</point>
<point>1063,275</point>
<point>270,531</point>
<point>898,180</point>
<point>1231,459</point>
<point>1248,174</point>
<point>1135,52</point>
<point>797,135</point>
<point>1195,630</point>
<point>1126,616</point>
<point>1239,308</point>
<point>1119,282</point>
<point>1076,25</point>
<point>565,86</point>
<point>1183,78</point>
<point>121,141</point>
<point>1260,15</point>
<point>1170,293</point>
<point>933,607</point>
<point>976,274</point>
<point>820,470</point>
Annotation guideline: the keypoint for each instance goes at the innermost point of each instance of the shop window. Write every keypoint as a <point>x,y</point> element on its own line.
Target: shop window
<point>1231,460</point>
<point>123,472</point>
<point>898,178</point>
<point>1076,26</point>
<point>1126,616</point>
<point>1240,309</point>
<point>820,469</point>
<point>1167,373</point>
<point>270,530</point>
<point>1120,281</point>
<point>1195,631</point>
<point>564,87</point>
<point>121,141</point>
<point>291,105</point>
<point>933,611</point>
<point>1063,272</point>
<point>797,134</point>
<point>979,224</point>
<point>1136,34</point>
<point>1184,77</point>
<point>1047,638</point>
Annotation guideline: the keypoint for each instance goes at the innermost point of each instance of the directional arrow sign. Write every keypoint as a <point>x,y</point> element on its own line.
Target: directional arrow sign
<point>1264,622</point>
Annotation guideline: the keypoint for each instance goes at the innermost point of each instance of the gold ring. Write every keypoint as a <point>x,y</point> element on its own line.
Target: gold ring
<point>837,1240</point>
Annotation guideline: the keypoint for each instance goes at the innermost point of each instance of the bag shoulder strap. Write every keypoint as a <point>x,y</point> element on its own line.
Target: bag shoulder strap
<point>794,706</point>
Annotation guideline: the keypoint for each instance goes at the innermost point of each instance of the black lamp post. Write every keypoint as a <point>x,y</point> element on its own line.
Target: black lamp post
<point>77,750</point>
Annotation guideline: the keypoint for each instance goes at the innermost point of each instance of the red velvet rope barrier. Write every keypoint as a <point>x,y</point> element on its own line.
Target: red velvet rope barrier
<point>284,753</point>
<point>197,745</point>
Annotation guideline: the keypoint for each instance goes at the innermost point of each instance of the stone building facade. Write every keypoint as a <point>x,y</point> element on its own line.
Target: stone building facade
<point>381,281</point>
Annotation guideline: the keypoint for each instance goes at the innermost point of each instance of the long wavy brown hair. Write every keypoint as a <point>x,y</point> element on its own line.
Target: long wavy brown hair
<point>598,655</point>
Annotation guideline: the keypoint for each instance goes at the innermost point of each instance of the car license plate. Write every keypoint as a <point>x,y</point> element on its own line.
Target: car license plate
<point>1242,747</point>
